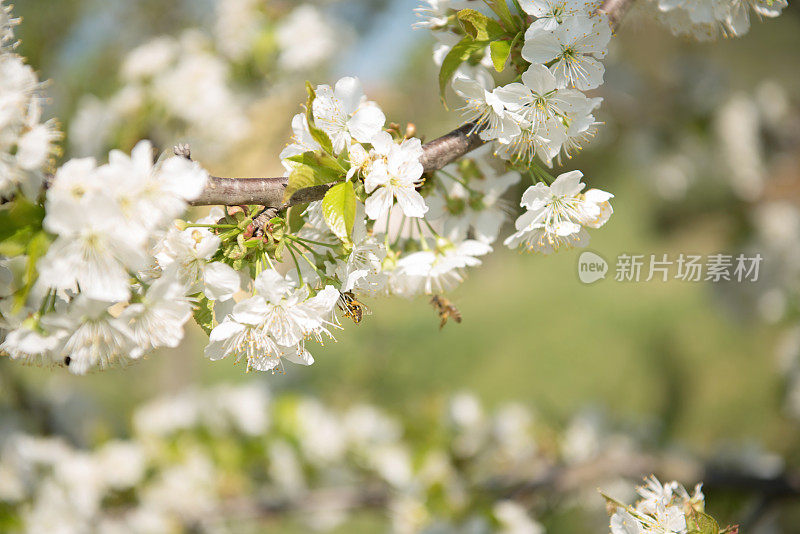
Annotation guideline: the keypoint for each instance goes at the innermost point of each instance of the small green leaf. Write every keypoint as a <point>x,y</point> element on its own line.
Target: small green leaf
<point>479,26</point>
<point>19,220</point>
<point>16,243</point>
<point>500,51</point>
<point>318,135</point>
<point>339,210</point>
<point>458,55</point>
<point>501,8</point>
<point>306,176</point>
<point>279,250</point>
<point>35,249</point>
<point>295,217</point>
<point>702,523</point>
<point>315,159</point>
<point>204,313</point>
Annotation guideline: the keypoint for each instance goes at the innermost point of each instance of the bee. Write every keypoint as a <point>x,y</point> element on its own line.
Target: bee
<point>445,309</point>
<point>352,308</point>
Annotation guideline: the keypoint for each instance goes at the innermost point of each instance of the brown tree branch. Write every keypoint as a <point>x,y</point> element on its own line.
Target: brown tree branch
<point>557,479</point>
<point>269,191</point>
<point>437,154</point>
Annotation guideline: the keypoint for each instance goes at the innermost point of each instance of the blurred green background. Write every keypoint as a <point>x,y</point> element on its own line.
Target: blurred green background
<point>671,355</point>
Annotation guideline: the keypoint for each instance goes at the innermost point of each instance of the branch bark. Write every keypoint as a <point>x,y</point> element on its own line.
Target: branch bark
<point>269,191</point>
<point>437,154</point>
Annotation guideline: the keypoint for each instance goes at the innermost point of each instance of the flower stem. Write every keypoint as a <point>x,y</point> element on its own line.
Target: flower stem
<point>303,239</point>
<point>296,264</point>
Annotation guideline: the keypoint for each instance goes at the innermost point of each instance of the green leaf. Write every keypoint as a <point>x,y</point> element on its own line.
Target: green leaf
<point>17,243</point>
<point>204,313</point>
<point>702,523</point>
<point>458,55</point>
<point>339,210</point>
<point>295,217</point>
<point>19,214</point>
<point>36,248</point>
<point>279,250</point>
<point>316,159</point>
<point>501,8</point>
<point>307,176</point>
<point>479,26</point>
<point>500,51</point>
<point>318,135</point>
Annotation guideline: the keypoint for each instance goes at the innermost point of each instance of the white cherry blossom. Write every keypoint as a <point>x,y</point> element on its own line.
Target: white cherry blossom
<point>556,215</point>
<point>94,250</point>
<point>550,13</point>
<point>149,195</point>
<point>190,252</point>
<point>539,99</point>
<point>96,339</point>
<point>436,271</point>
<point>475,205</point>
<point>273,324</point>
<point>396,177</point>
<point>361,270</point>
<point>543,141</point>
<point>345,114</point>
<point>622,522</point>
<point>157,320</point>
<point>575,47</point>
<point>487,110</point>
<point>302,140</point>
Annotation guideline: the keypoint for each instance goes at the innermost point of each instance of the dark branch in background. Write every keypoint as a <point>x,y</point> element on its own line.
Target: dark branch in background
<point>559,480</point>
<point>437,154</point>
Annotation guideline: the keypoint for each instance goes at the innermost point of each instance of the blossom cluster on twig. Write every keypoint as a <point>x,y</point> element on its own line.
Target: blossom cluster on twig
<point>103,267</point>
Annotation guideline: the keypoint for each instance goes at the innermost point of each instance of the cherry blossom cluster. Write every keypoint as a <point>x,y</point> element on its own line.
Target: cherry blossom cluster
<point>199,457</point>
<point>103,267</point>
<point>195,86</point>
<point>79,281</point>
<point>368,237</point>
<point>707,20</point>
<point>97,298</point>
<point>663,508</point>
<point>554,48</point>
<point>26,143</point>
<point>544,114</point>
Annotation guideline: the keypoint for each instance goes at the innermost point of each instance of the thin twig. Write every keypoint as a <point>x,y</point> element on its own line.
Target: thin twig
<point>270,191</point>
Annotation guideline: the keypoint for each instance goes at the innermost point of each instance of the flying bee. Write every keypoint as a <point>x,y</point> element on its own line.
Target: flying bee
<point>352,308</point>
<point>445,309</point>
